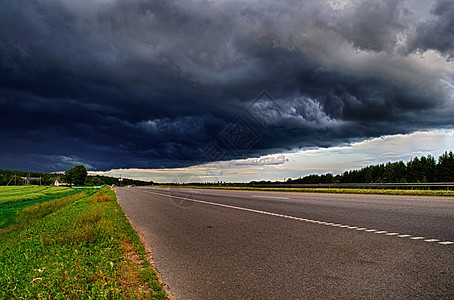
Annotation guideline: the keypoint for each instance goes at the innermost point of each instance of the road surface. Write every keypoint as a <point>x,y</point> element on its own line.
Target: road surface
<point>218,244</point>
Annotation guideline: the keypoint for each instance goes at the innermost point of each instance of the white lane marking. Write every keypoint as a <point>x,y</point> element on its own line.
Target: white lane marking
<point>271,197</point>
<point>404,235</point>
<point>431,240</point>
<point>309,220</point>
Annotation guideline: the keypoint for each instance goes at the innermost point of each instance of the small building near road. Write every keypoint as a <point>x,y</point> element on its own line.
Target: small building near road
<point>59,182</point>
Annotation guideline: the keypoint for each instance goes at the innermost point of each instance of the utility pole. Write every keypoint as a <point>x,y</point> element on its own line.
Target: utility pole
<point>14,177</point>
<point>28,178</point>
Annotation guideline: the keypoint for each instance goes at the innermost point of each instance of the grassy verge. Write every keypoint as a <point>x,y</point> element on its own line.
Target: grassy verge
<point>76,247</point>
<point>12,194</point>
<point>15,199</point>
<point>330,190</point>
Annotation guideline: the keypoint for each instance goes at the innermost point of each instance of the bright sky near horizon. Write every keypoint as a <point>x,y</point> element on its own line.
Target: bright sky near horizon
<point>333,160</point>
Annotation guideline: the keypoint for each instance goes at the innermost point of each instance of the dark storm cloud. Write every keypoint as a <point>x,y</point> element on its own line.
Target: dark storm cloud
<point>154,84</point>
<point>371,25</point>
<point>437,33</point>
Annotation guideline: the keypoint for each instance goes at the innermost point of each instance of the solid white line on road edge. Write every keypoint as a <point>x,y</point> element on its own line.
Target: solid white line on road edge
<point>308,220</point>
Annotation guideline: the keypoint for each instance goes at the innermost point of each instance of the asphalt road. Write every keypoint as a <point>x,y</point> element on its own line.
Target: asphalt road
<point>213,244</point>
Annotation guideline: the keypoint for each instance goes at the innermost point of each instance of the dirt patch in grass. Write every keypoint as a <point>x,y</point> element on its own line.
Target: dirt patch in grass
<point>144,258</point>
<point>136,273</point>
<point>131,277</point>
<point>101,198</point>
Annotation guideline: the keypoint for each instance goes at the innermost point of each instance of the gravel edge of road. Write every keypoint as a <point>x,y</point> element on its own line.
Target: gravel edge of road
<point>149,250</point>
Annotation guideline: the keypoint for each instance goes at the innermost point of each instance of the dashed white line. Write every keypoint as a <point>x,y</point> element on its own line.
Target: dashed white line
<point>431,240</point>
<point>446,243</point>
<point>404,235</point>
<point>417,238</point>
<point>309,220</point>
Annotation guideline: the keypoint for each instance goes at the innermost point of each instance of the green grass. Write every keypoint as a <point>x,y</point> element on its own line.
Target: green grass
<point>12,194</point>
<point>14,199</point>
<point>331,190</point>
<point>76,247</point>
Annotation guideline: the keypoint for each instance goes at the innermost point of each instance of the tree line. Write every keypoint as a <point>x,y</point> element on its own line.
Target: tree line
<point>77,175</point>
<point>418,170</point>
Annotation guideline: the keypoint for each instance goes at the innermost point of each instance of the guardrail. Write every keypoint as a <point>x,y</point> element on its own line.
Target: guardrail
<point>427,186</point>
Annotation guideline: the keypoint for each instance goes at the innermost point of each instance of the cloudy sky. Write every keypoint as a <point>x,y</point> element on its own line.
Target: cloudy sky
<point>230,87</point>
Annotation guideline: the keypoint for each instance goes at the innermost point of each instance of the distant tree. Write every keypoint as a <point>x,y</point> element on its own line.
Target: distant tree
<point>395,172</point>
<point>428,164</point>
<point>445,167</point>
<point>94,180</point>
<point>421,169</point>
<point>3,179</point>
<point>76,175</point>
<point>327,178</point>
